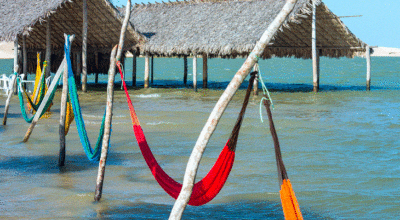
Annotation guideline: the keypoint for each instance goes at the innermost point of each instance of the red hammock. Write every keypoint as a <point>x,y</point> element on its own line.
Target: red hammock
<point>206,189</point>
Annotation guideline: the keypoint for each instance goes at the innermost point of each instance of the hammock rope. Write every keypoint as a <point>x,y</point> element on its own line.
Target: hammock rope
<point>93,154</point>
<point>206,189</point>
<point>22,104</point>
<point>289,202</point>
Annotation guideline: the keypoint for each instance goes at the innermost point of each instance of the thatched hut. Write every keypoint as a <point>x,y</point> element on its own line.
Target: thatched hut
<point>39,26</point>
<point>231,28</point>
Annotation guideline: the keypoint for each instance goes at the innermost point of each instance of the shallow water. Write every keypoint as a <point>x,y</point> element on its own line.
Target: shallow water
<point>340,147</point>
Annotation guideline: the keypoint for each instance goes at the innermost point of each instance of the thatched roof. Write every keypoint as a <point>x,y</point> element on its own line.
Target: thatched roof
<point>19,17</point>
<point>232,28</point>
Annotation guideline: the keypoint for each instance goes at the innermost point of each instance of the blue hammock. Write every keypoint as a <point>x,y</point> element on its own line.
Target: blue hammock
<point>92,154</point>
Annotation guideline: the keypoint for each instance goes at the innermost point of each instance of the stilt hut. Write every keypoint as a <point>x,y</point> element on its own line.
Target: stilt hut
<point>231,28</point>
<point>39,26</point>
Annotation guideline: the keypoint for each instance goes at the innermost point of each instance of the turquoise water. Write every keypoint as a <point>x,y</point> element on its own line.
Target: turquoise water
<point>340,146</point>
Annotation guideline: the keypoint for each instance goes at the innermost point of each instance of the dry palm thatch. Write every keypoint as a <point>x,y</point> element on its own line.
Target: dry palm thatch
<point>231,28</point>
<point>21,17</point>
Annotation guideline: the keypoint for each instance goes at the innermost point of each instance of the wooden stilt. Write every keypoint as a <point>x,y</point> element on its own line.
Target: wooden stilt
<point>205,71</point>
<point>185,70</point>
<point>63,109</point>
<point>25,57</point>
<point>11,91</point>
<point>110,99</point>
<point>53,84</point>
<point>78,68</point>
<point>208,129</point>
<point>315,52</point>
<point>146,70</point>
<point>152,69</point>
<point>255,85</point>
<point>195,72</point>
<point>48,47</point>
<point>96,60</point>
<point>134,69</point>
<point>368,58</point>
<point>84,45</point>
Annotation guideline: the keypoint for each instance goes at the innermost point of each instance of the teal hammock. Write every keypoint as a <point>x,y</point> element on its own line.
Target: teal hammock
<point>35,107</point>
<point>92,154</point>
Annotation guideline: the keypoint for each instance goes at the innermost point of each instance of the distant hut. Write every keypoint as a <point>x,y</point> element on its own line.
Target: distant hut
<point>39,26</point>
<point>228,29</point>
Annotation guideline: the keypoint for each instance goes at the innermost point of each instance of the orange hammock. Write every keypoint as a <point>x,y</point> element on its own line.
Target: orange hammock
<point>206,189</point>
<point>290,206</point>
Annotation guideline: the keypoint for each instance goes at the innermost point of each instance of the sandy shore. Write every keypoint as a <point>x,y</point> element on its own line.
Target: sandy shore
<point>7,51</point>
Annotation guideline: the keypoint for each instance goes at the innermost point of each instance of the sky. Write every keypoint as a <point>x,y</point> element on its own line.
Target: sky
<point>378,26</point>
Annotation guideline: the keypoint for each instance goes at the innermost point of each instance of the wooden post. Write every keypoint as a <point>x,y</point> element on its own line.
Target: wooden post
<point>195,72</point>
<point>315,53</point>
<point>53,84</point>
<point>84,45</point>
<point>48,47</point>
<point>208,129</point>
<point>78,67</point>
<point>146,70</point>
<point>152,69</point>
<point>205,72</point>
<point>110,99</point>
<point>134,69</point>
<point>255,85</point>
<point>185,70</point>
<point>13,80</point>
<point>25,57</point>
<point>63,109</point>
<point>368,58</point>
<point>96,60</point>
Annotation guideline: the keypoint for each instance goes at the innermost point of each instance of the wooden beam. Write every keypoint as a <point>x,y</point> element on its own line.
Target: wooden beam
<point>48,47</point>
<point>315,53</point>
<point>96,61</point>
<point>255,85</point>
<point>368,58</point>
<point>84,45</point>
<point>195,72</point>
<point>185,70</point>
<point>25,57</point>
<point>10,92</point>
<point>63,108</point>
<point>152,69</point>
<point>146,70</point>
<point>78,67</point>
<point>110,100</point>
<point>134,69</point>
<point>205,71</point>
<point>212,122</point>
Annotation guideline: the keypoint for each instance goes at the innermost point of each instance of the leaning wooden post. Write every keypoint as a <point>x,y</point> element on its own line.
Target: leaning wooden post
<point>110,99</point>
<point>195,72</point>
<point>205,71</point>
<point>11,91</point>
<point>146,70</point>
<point>48,47</point>
<point>315,54</point>
<point>368,58</point>
<point>53,84</point>
<point>185,70</point>
<point>63,109</point>
<point>152,69</point>
<point>255,85</point>
<point>134,68</point>
<point>208,129</point>
<point>84,45</point>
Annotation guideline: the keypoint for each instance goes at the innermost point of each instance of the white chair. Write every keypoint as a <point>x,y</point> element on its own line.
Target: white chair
<point>5,83</point>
